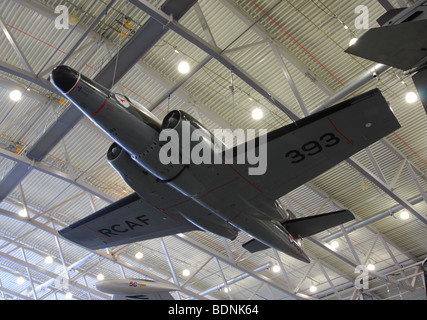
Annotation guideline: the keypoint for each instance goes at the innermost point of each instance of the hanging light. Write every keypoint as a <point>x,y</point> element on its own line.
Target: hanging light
<point>183,67</point>
<point>15,95</point>
<point>411,97</point>
<point>257,114</point>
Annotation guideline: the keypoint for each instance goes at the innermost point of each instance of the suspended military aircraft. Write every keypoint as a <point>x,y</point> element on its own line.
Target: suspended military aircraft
<point>399,42</point>
<point>136,289</point>
<point>221,198</point>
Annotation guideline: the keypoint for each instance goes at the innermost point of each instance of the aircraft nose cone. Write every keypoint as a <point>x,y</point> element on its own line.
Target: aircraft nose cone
<point>64,78</point>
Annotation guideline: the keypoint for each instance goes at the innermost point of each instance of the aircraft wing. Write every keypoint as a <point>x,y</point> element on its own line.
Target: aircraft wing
<point>401,46</point>
<point>130,219</point>
<point>299,152</point>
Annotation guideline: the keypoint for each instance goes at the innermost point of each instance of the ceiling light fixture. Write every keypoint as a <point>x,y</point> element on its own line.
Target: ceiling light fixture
<point>276,268</point>
<point>183,67</point>
<point>100,277</point>
<point>313,289</point>
<point>257,114</point>
<point>186,272</point>
<point>411,97</point>
<point>48,260</point>
<point>353,40</point>
<point>20,280</point>
<point>22,213</point>
<point>371,267</point>
<point>334,245</point>
<point>404,215</point>
<point>139,255</point>
<point>15,95</point>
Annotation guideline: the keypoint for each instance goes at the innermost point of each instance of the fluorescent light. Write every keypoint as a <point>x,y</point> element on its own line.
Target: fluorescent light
<point>15,95</point>
<point>411,97</point>
<point>257,114</point>
<point>183,67</point>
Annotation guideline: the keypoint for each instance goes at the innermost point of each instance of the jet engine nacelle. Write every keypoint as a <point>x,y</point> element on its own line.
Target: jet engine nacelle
<point>134,175</point>
<point>184,141</point>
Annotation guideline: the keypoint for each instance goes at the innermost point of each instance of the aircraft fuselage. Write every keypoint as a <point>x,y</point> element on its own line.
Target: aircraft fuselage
<point>212,186</point>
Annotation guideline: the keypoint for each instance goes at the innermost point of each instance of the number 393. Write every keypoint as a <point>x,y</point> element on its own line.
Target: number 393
<point>312,148</point>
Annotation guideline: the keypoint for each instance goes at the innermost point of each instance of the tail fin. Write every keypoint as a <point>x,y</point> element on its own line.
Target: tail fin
<point>305,227</point>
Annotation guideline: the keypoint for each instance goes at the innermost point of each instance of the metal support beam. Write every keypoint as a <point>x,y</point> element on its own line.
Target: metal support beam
<point>289,79</point>
<point>111,73</point>
<point>289,56</point>
<point>225,284</point>
<point>168,259</point>
<point>362,79</point>
<point>283,270</point>
<point>359,167</point>
<point>329,281</point>
<point>172,24</point>
<point>15,46</point>
<point>415,179</point>
<point>374,218</point>
<point>234,280</point>
<point>234,264</point>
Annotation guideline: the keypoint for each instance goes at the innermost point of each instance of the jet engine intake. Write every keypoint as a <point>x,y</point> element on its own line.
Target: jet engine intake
<point>185,140</point>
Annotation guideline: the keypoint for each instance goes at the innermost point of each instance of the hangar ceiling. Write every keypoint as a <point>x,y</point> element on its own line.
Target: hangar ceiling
<point>285,57</point>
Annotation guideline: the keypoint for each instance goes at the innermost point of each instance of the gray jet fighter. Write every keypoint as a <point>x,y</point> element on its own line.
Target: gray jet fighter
<point>220,198</point>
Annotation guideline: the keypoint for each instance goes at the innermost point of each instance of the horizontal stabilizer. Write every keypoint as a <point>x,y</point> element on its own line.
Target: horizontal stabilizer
<point>305,227</point>
<point>401,46</point>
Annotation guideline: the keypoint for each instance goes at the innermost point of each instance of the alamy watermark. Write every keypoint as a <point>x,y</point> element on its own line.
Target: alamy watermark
<point>362,20</point>
<point>198,146</point>
<point>61,21</point>
<point>362,280</point>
